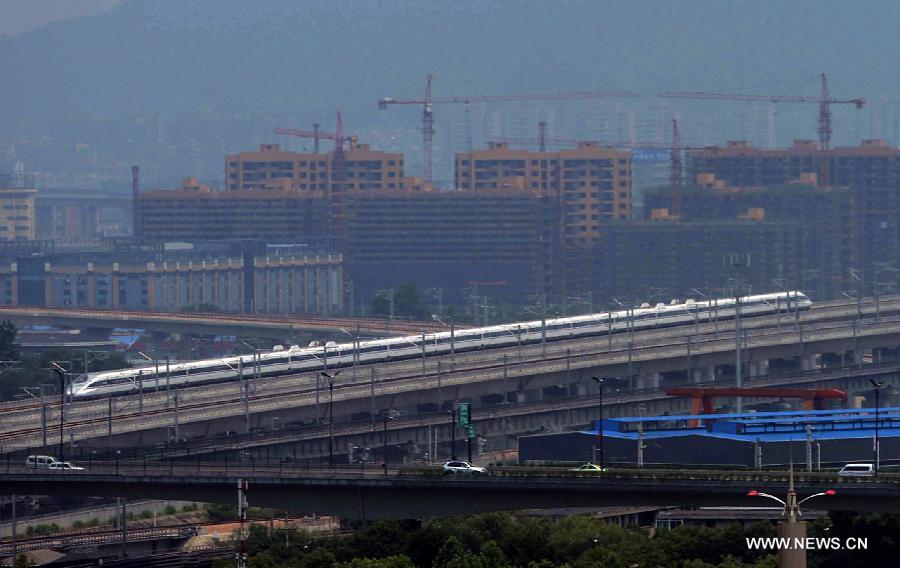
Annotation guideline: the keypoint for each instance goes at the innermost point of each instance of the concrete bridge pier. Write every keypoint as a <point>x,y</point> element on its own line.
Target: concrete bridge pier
<point>532,395</point>
<point>758,369</point>
<point>808,362</point>
<point>650,381</point>
<point>703,374</point>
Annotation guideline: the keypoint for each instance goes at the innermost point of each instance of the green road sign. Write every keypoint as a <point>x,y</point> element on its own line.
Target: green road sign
<point>471,430</point>
<point>464,414</point>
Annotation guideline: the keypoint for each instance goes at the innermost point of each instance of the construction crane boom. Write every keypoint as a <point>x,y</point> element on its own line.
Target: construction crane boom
<point>551,141</point>
<point>429,101</point>
<point>383,103</point>
<point>339,166</point>
<point>824,100</point>
<point>860,103</point>
<point>306,133</point>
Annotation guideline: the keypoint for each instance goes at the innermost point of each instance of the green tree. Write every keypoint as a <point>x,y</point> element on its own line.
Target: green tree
<point>425,541</point>
<point>451,550</point>
<point>407,303</point>
<point>396,561</point>
<point>319,558</point>
<point>217,512</point>
<point>9,348</point>
<point>23,561</point>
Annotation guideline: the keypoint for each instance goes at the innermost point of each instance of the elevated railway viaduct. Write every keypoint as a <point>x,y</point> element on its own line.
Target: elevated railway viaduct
<point>513,390</point>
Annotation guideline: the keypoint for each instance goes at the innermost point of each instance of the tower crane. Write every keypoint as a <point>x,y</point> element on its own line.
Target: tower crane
<point>429,101</point>
<point>824,100</point>
<point>338,163</point>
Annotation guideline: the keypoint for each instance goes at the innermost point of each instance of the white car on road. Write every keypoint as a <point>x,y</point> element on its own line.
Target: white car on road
<point>67,466</point>
<point>464,468</point>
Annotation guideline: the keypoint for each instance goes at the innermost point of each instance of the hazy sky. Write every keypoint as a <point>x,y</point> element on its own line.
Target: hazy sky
<point>176,84</point>
<point>17,16</point>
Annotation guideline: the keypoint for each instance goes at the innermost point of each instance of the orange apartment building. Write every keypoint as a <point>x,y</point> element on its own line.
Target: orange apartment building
<point>274,168</point>
<point>593,183</point>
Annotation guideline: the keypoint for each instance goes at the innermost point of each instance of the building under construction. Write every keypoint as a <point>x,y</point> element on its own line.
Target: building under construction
<point>592,184</point>
<point>503,243</point>
<point>655,261</point>
<point>851,227</point>
<point>198,213</point>
<point>272,168</point>
<point>871,164</point>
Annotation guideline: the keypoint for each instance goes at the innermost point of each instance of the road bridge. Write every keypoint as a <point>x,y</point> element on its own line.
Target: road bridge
<point>494,424</point>
<point>419,492</point>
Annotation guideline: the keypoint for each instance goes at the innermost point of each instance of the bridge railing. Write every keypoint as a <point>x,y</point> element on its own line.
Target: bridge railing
<point>282,470</point>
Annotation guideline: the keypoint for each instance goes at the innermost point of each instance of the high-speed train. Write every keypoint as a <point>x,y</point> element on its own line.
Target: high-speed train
<point>282,361</point>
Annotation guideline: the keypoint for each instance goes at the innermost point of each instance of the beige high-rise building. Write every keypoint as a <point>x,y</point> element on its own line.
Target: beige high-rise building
<point>593,183</point>
<point>17,195</point>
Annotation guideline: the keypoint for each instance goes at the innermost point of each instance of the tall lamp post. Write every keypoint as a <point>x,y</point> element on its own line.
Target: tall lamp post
<point>387,416</point>
<point>599,382</point>
<point>330,379</point>
<point>791,526</point>
<point>452,414</point>
<point>61,373</point>
<point>876,448</point>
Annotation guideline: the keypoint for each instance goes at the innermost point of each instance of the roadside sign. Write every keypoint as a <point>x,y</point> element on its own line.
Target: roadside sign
<point>464,414</point>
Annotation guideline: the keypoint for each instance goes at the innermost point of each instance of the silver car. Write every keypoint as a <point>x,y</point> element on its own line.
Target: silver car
<point>64,466</point>
<point>857,470</point>
<point>463,468</point>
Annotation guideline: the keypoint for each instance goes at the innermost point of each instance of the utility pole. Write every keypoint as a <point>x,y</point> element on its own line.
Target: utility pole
<point>738,261</point>
<point>330,378</point>
<point>123,524</point>
<point>599,382</point>
<point>241,555</point>
<point>876,446</point>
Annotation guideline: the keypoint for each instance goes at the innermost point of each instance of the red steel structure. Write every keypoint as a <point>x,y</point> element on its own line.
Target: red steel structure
<point>702,397</point>
<point>429,101</point>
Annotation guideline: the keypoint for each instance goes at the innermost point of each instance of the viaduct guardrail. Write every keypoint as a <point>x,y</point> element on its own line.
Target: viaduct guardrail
<point>419,492</point>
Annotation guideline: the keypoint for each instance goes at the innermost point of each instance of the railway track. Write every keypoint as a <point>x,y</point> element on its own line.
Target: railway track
<point>395,383</point>
<point>825,311</point>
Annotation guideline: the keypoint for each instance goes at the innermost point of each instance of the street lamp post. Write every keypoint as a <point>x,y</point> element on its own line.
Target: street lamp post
<point>387,417</point>
<point>330,379</point>
<point>599,382</point>
<point>876,447</point>
<point>61,373</point>
<point>791,526</point>
<point>452,414</point>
